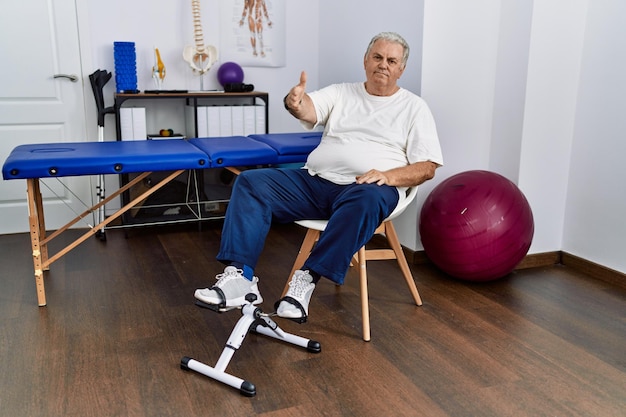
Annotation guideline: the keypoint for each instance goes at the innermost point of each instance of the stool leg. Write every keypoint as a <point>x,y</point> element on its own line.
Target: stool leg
<point>306,248</point>
<point>365,311</point>
<point>392,238</point>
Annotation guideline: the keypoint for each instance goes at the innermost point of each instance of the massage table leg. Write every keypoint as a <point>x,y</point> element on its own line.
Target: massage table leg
<point>42,227</point>
<point>37,230</point>
<point>39,240</point>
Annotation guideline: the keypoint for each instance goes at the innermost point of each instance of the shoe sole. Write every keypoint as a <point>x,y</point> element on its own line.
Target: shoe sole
<point>298,314</point>
<point>237,302</point>
<point>298,320</point>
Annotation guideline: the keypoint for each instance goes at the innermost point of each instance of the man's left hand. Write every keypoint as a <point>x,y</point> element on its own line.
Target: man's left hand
<point>372,176</point>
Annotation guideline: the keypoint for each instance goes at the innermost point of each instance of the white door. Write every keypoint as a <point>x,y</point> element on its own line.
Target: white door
<point>38,40</point>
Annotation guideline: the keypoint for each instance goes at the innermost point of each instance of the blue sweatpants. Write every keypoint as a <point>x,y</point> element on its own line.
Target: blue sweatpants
<point>261,196</point>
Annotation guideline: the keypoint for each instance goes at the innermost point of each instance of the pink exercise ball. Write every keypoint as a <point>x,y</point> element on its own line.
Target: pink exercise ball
<point>476,226</point>
<point>229,73</point>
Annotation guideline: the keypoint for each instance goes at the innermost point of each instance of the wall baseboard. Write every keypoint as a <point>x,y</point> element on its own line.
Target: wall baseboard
<point>593,269</point>
<point>538,260</point>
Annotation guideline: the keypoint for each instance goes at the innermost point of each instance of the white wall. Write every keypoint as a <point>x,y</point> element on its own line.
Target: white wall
<point>533,90</point>
<point>551,95</point>
<point>594,225</point>
<point>510,87</point>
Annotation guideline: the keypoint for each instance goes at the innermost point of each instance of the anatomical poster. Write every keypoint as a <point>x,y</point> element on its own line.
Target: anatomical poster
<point>252,32</point>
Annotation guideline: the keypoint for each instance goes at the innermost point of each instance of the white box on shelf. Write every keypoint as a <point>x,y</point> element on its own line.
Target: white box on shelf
<point>226,121</point>
<point>237,120</point>
<point>126,123</point>
<point>203,126</point>
<point>249,120</point>
<point>139,123</point>
<point>202,117</point>
<point>260,119</point>
<point>133,123</point>
<point>213,121</point>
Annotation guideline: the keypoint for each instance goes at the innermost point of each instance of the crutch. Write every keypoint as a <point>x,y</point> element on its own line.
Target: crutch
<point>98,80</point>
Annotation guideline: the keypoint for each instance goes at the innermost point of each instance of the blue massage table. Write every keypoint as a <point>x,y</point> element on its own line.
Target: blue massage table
<point>37,161</point>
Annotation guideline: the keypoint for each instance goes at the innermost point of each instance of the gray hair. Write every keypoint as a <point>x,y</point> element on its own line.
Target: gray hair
<point>391,37</point>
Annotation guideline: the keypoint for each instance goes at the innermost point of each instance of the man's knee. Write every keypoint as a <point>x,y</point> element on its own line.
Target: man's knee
<point>259,181</point>
<point>253,176</point>
<point>372,198</point>
<point>371,193</point>
<point>248,182</point>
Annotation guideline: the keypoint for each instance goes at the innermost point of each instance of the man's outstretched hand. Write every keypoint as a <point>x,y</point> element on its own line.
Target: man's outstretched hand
<point>293,101</point>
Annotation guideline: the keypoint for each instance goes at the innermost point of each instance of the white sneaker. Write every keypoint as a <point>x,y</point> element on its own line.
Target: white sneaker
<point>295,304</point>
<point>230,290</point>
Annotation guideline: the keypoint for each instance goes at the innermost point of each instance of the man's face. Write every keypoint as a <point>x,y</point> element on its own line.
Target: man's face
<point>383,64</point>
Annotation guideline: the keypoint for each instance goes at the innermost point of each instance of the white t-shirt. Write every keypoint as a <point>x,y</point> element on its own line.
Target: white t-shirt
<point>363,132</point>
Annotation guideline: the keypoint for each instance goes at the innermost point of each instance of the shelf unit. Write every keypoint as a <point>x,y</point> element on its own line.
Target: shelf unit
<point>196,195</point>
<point>194,99</point>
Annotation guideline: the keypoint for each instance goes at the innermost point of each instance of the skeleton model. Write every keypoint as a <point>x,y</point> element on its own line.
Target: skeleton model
<point>158,70</point>
<point>200,57</point>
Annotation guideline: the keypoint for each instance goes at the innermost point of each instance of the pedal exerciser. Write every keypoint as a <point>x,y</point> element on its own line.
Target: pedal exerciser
<point>252,319</point>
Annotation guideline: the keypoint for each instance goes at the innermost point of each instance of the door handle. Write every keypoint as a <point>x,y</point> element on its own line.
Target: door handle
<point>72,77</point>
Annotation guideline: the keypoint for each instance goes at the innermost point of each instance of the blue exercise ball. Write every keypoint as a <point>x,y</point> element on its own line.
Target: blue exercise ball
<point>476,226</point>
<point>229,73</point>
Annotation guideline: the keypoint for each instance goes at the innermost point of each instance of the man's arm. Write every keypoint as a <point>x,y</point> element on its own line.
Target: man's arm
<point>407,176</point>
<point>299,104</point>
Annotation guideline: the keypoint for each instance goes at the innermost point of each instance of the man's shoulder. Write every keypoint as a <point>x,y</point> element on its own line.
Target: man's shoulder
<point>347,86</point>
<point>411,96</point>
<point>409,93</point>
<point>337,90</point>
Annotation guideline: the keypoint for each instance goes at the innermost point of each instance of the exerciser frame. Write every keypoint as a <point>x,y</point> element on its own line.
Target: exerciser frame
<point>252,319</point>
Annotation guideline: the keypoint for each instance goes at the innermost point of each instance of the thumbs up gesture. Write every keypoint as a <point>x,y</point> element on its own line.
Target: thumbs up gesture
<point>294,99</point>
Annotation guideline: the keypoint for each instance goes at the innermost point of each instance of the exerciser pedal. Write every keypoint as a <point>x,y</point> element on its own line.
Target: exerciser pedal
<point>218,308</point>
<point>300,320</point>
<point>252,319</point>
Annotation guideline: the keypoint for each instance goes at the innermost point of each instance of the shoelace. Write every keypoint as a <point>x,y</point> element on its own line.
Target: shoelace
<point>224,277</point>
<point>299,285</point>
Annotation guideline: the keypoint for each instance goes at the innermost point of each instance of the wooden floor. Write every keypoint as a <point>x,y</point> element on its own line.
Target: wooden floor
<point>120,316</point>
